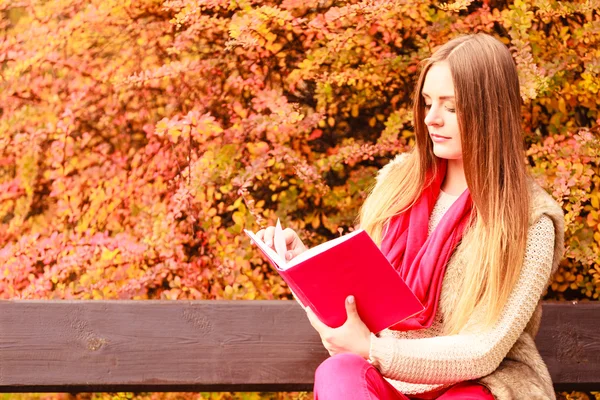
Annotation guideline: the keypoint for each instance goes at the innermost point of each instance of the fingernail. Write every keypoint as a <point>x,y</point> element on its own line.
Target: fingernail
<point>288,255</point>
<point>269,243</point>
<point>350,299</point>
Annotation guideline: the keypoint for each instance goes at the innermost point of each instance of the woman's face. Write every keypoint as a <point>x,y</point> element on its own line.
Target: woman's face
<point>440,112</point>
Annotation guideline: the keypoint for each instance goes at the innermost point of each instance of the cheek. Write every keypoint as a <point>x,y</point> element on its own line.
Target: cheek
<point>457,135</point>
<point>457,143</point>
<point>452,149</point>
<point>453,124</point>
<point>455,130</point>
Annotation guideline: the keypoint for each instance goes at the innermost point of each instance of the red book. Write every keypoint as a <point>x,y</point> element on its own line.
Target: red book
<point>322,277</point>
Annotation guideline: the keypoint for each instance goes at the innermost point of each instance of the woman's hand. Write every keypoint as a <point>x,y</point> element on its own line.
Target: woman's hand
<point>293,243</point>
<point>352,337</point>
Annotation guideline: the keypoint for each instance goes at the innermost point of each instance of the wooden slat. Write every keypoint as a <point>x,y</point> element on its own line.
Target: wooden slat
<point>569,342</point>
<point>75,346</point>
<point>156,346</point>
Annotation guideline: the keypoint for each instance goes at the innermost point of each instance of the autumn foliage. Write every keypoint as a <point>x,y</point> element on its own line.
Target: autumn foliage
<point>138,137</point>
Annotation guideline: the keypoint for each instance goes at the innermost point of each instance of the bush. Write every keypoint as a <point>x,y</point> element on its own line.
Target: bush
<point>140,137</point>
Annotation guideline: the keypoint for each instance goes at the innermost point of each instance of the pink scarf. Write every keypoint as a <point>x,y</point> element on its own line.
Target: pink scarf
<point>420,260</point>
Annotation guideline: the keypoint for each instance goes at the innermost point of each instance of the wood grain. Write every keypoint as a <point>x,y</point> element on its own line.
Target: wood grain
<point>569,342</point>
<point>75,346</point>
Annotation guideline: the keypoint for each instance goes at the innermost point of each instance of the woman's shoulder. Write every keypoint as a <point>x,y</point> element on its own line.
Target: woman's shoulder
<point>393,164</point>
<point>542,203</point>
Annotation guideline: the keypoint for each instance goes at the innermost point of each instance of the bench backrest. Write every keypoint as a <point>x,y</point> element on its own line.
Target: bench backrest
<point>76,346</point>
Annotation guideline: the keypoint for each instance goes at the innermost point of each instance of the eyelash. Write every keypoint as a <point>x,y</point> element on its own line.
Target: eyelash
<point>452,110</point>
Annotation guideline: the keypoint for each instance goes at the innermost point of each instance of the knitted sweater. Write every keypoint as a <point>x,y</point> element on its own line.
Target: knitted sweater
<point>504,356</point>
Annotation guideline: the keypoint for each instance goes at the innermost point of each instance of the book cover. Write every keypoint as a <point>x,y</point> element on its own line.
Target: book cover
<point>323,276</point>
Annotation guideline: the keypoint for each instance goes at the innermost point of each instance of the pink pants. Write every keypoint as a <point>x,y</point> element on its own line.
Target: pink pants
<point>349,376</point>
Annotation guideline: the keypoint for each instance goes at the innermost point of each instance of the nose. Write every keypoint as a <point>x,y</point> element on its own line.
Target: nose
<point>432,117</point>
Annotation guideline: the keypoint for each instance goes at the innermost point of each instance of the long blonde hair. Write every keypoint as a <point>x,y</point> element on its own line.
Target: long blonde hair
<point>488,105</point>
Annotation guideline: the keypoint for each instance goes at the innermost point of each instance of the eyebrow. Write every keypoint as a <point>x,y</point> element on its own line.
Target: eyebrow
<point>441,97</point>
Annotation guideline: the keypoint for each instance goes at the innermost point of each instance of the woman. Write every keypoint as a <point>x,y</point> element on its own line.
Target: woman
<point>471,234</point>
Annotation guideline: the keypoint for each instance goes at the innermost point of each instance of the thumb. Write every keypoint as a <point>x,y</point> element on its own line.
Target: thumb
<point>351,311</point>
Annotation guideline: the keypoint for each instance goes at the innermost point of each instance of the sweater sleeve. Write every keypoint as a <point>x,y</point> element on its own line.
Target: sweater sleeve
<point>470,355</point>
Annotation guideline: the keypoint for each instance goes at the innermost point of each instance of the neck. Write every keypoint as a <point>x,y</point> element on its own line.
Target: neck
<point>455,182</point>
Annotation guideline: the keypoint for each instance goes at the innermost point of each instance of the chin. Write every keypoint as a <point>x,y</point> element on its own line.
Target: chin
<point>447,154</point>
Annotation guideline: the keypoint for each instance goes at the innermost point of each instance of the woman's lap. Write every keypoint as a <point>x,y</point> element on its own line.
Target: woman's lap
<point>348,376</point>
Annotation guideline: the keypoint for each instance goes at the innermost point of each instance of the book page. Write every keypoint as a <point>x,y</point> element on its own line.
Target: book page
<point>269,252</point>
<point>279,240</point>
<point>320,249</point>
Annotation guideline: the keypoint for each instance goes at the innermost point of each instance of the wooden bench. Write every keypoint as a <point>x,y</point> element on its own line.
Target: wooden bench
<point>108,346</point>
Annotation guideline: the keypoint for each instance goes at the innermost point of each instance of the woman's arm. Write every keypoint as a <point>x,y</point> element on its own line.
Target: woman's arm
<point>470,355</point>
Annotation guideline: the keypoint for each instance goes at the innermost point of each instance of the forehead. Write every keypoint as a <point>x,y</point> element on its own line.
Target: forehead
<point>438,81</point>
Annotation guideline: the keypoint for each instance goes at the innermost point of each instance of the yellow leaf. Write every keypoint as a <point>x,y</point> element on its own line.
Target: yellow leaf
<point>239,110</point>
<point>562,106</point>
<point>238,218</point>
<point>108,255</point>
<point>563,287</point>
<point>174,134</point>
<point>275,47</point>
<point>316,222</point>
<point>258,148</point>
<point>210,192</point>
<point>271,37</point>
<point>224,189</point>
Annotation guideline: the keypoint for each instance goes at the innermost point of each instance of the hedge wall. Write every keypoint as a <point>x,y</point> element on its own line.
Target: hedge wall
<point>139,137</point>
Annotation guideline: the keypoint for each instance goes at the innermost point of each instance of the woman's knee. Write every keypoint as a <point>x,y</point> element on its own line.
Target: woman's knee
<point>341,365</point>
<point>348,376</point>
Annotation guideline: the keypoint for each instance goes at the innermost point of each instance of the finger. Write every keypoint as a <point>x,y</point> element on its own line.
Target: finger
<point>292,253</point>
<point>261,234</point>
<point>269,233</point>
<point>351,311</point>
<point>316,322</point>
<point>290,236</point>
<point>293,241</point>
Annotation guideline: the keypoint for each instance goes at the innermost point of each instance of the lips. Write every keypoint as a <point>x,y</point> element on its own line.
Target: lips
<point>439,138</point>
